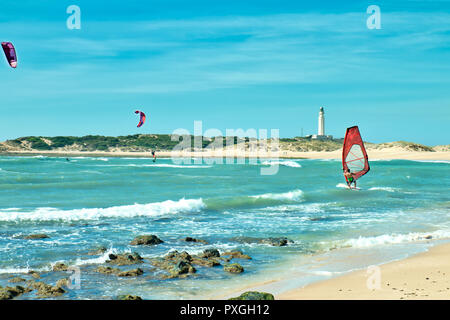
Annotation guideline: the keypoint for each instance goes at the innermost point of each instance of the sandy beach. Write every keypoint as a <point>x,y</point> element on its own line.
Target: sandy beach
<point>423,276</point>
<point>377,154</point>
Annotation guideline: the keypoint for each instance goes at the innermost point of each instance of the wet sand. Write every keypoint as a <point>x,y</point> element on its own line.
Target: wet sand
<point>423,276</point>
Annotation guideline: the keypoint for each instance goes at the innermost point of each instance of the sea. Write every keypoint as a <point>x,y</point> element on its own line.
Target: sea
<point>402,207</point>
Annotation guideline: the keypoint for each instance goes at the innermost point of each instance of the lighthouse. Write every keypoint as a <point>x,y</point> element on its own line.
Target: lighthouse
<point>321,131</point>
<point>321,128</point>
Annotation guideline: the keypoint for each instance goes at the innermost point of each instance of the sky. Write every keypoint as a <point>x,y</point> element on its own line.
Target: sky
<point>230,64</point>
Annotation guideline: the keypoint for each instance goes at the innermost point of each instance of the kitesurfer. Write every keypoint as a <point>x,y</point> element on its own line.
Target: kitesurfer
<point>349,177</point>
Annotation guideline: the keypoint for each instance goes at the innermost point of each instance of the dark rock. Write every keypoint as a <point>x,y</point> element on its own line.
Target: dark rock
<point>98,251</point>
<point>175,255</point>
<point>60,267</point>
<point>12,292</point>
<point>205,262</point>
<point>233,268</point>
<point>189,239</point>
<point>128,297</point>
<point>254,295</point>
<point>34,274</point>
<point>185,256</point>
<point>236,254</point>
<point>146,240</point>
<point>131,273</point>
<point>46,290</point>
<point>279,242</point>
<point>175,263</point>
<point>209,253</point>
<point>5,294</point>
<point>62,283</point>
<point>182,267</point>
<point>16,279</point>
<point>107,270</point>
<point>209,258</point>
<point>125,259</point>
<point>317,218</point>
<point>36,236</point>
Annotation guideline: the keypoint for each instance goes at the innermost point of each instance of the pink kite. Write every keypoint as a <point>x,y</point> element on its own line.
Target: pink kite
<point>141,119</point>
<point>10,53</point>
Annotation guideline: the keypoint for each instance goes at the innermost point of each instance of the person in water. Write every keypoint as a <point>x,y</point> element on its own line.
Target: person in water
<point>154,156</point>
<point>349,177</point>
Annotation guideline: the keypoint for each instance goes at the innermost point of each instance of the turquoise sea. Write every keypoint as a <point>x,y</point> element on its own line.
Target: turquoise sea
<point>89,202</point>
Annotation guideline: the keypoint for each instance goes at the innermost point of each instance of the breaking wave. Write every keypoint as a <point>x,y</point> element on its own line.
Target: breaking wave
<point>386,239</point>
<point>295,195</point>
<point>150,209</point>
<point>291,164</point>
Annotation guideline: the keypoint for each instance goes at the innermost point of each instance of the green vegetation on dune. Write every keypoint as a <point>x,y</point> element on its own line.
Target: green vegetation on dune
<point>410,146</point>
<point>308,144</point>
<point>165,142</point>
<point>138,142</point>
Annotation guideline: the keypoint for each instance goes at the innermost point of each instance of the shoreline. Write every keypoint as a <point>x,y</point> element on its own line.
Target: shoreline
<point>423,275</point>
<point>373,154</point>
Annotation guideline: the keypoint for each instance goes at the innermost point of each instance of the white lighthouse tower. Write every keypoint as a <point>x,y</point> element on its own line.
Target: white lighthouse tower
<point>321,128</point>
<point>321,131</point>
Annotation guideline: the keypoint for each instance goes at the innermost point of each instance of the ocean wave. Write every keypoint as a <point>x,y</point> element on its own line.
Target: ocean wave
<point>177,166</point>
<point>79,262</point>
<point>257,201</point>
<point>365,242</point>
<point>291,164</point>
<point>24,270</point>
<point>433,161</point>
<point>162,165</point>
<point>97,260</point>
<point>294,195</point>
<point>150,209</point>
<point>388,189</point>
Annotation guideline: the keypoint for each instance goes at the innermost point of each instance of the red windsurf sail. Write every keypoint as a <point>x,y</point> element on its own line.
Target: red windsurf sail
<point>354,155</point>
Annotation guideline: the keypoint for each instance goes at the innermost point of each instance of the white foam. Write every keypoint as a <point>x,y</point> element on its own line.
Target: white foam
<point>341,185</point>
<point>150,209</point>
<point>79,262</point>
<point>98,260</point>
<point>433,161</point>
<point>294,195</point>
<point>22,270</point>
<point>364,242</point>
<point>388,189</point>
<point>162,165</point>
<point>176,166</point>
<point>325,273</point>
<point>291,164</point>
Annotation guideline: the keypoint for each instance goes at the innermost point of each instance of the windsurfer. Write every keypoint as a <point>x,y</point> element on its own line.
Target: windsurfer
<point>349,177</point>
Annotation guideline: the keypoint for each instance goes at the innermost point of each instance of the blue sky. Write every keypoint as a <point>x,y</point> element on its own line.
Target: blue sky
<point>259,64</point>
